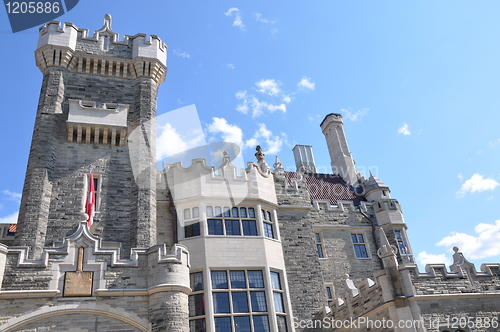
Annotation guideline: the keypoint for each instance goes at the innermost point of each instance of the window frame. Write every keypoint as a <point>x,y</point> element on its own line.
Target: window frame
<point>247,225</point>
<point>363,244</point>
<point>320,248</point>
<point>195,291</point>
<point>258,285</point>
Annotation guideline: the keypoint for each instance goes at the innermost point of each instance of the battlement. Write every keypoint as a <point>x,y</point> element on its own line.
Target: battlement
<point>102,259</point>
<point>358,300</point>
<point>437,279</point>
<point>65,45</point>
<point>201,180</point>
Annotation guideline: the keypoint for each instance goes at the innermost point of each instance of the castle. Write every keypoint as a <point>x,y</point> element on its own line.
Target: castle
<point>198,248</point>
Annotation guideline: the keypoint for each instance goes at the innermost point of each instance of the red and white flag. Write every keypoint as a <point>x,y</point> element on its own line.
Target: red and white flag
<point>89,206</point>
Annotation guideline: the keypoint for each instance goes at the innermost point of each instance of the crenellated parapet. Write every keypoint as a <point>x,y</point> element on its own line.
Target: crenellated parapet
<point>359,300</point>
<point>102,260</point>
<point>200,180</point>
<point>103,54</point>
<point>461,278</point>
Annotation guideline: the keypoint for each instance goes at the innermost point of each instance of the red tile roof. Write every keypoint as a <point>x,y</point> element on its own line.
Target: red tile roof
<point>328,187</point>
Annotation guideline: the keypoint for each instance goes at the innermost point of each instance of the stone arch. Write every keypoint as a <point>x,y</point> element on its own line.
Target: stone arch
<point>48,311</point>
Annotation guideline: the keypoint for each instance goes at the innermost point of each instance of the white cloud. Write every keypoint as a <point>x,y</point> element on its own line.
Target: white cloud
<point>260,18</point>
<point>258,107</point>
<point>10,219</point>
<point>170,141</point>
<point>354,116</point>
<point>404,129</point>
<point>425,258</point>
<point>182,54</point>
<point>313,117</point>
<point>477,184</point>
<point>460,176</point>
<point>229,133</point>
<point>237,18</point>
<point>306,84</point>
<point>486,242</point>
<point>229,66</point>
<point>272,142</point>
<point>12,196</point>
<point>494,144</point>
<point>270,87</point>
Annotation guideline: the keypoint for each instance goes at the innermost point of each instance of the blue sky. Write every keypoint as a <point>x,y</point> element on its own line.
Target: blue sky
<point>417,82</point>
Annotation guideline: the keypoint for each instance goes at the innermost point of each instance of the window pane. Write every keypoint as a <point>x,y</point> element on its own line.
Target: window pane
<point>196,305</point>
<point>237,279</point>
<point>318,238</point>
<point>192,230</point>
<point>234,212</point>
<point>354,238</point>
<point>227,213</point>
<point>210,211</point>
<point>329,292</point>
<point>219,280</point>
<point>320,251</point>
<point>242,324</point>
<point>278,302</point>
<point>281,323</point>
<point>258,301</point>
<point>243,212</point>
<point>398,235</point>
<point>215,227</point>
<point>249,227</point>
<point>261,323</point>
<point>195,212</point>
<point>221,302</point>
<point>197,325</point>
<point>222,324</point>
<point>268,230</point>
<point>218,211</point>
<point>196,281</point>
<point>233,227</point>
<point>251,213</point>
<point>187,214</point>
<point>240,301</point>
<point>360,250</point>
<point>275,280</point>
<point>269,216</point>
<point>255,279</point>
<point>263,214</point>
<point>360,238</point>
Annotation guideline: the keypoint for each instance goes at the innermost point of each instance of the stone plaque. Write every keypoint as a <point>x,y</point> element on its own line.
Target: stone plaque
<point>78,283</point>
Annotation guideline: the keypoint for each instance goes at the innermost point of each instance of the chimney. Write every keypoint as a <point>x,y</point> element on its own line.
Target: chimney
<point>304,158</point>
<point>340,156</point>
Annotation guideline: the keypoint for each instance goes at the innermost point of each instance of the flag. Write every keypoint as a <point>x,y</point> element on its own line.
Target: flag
<point>89,206</point>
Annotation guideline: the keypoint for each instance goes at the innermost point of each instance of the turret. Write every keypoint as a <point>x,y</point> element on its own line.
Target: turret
<point>340,156</point>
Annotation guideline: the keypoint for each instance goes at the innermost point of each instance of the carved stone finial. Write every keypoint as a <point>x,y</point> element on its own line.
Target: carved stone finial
<point>279,169</point>
<point>259,154</point>
<point>455,249</point>
<point>226,159</point>
<point>107,22</point>
<point>260,159</point>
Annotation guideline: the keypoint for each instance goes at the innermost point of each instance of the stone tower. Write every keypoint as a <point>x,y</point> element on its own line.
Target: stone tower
<point>96,91</point>
<point>97,111</point>
<point>340,156</point>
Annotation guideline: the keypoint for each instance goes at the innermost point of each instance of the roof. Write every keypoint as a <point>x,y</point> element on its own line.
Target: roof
<point>328,116</point>
<point>328,187</point>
